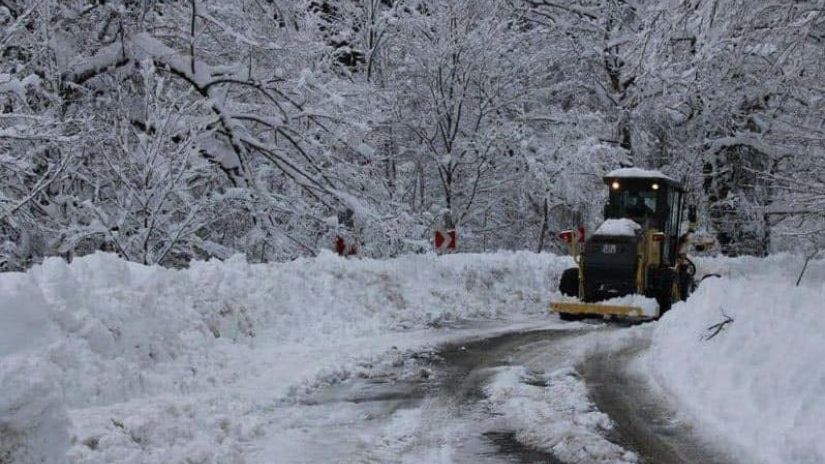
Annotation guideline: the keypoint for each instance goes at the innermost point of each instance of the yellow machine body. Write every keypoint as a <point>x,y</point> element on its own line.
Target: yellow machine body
<point>599,309</point>
<point>649,254</point>
<point>658,252</point>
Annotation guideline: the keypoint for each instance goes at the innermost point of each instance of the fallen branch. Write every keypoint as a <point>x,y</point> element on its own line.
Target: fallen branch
<point>805,266</point>
<point>718,327</point>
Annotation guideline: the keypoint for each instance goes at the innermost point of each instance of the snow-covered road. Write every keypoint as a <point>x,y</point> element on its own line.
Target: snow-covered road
<point>517,397</point>
<point>646,420</point>
<point>333,360</point>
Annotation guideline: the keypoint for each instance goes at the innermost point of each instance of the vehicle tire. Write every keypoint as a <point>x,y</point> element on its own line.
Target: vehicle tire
<point>687,279</point>
<point>569,284</point>
<point>686,285</point>
<point>664,289</point>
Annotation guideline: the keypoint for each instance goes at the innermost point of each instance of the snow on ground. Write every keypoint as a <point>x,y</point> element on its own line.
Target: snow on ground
<point>647,307</point>
<point>536,400</point>
<point>759,381</point>
<point>552,412</point>
<point>109,361</point>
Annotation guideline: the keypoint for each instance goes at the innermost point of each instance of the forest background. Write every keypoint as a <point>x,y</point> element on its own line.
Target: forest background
<point>167,131</point>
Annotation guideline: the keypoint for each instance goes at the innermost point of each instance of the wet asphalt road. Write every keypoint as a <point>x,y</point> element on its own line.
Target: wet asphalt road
<point>644,423</point>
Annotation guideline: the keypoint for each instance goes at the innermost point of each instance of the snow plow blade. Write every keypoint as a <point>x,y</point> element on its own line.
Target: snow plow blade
<point>596,309</point>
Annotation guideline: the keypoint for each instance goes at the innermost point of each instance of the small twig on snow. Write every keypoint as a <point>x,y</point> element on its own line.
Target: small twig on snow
<point>805,266</point>
<point>716,328</point>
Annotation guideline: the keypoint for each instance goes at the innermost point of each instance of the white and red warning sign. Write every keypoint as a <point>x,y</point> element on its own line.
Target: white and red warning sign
<point>445,242</point>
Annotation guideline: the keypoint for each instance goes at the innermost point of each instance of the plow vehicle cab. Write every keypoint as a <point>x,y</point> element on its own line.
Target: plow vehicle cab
<point>635,263</point>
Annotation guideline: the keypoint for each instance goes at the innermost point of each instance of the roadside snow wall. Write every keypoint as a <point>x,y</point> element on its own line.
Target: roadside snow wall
<point>760,381</point>
<point>101,331</point>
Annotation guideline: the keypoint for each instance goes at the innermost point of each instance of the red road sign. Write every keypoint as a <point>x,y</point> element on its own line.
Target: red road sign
<point>446,242</point>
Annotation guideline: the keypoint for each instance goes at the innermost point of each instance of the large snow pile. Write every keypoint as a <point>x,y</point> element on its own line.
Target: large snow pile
<point>758,380</point>
<point>32,416</point>
<point>99,333</point>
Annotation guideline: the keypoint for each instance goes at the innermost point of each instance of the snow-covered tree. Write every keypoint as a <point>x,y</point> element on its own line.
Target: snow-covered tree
<point>736,82</point>
<point>166,131</point>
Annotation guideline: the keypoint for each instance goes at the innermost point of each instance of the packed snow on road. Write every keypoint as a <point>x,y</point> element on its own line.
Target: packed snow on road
<point>109,361</point>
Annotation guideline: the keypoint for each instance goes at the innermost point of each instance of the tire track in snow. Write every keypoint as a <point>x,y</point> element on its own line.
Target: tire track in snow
<point>450,417</point>
<point>644,422</point>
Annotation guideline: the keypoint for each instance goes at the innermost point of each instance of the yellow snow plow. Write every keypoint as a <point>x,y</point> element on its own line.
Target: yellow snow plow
<point>576,309</point>
<point>635,264</point>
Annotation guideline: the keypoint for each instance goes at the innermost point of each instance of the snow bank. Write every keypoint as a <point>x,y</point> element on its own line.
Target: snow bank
<point>759,382</point>
<point>32,416</point>
<point>33,421</point>
<point>782,266</point>
<point>24,315</point>
<point>100,333</point>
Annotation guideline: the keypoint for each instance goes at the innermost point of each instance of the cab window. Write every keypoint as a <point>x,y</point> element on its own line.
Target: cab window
<point>634,203</point>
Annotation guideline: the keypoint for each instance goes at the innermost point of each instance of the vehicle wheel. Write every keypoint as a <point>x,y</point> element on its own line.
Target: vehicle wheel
<point>686,285</point>
<point>665,303</point>
<point>687,279</point>
<point>569,284</point>
<point>664,289</point>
